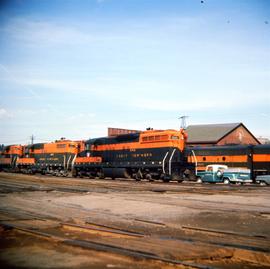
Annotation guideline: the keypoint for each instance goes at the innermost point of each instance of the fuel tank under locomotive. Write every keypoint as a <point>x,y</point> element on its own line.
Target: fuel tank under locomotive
<point>116,172</point>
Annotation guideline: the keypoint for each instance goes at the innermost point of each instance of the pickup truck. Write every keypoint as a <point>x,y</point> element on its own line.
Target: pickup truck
<point>263,179</point>
<point>216,173</point>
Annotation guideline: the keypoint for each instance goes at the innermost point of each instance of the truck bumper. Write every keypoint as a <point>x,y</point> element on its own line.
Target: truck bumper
<point>241,180</point>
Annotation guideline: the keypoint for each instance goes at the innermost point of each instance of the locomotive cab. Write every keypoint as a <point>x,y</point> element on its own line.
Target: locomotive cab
<point>9,156</point>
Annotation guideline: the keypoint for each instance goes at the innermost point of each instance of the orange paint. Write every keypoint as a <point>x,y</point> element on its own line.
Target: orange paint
<point>219,159</point>
<point>149,139</point>
<point>25,161</point>
<point>88,160</point>
<point>5,160</point>
<point>62,146</point>
<point>13,150</point>
<point>261,157</point>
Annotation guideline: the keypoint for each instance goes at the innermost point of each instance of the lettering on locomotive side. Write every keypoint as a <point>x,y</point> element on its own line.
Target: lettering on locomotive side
<point>142,155</point>
<point>121,156</point>
<point>135,155</point>
<point>48,159</point>
<point>53,159</point>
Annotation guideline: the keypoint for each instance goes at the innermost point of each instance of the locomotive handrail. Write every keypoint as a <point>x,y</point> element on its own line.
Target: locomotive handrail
<point>64,162</point>
<point>163,162</point>
<point>68,161</point>
<point>195,158</point>
<point>170,162</point>
<point>73,161</point>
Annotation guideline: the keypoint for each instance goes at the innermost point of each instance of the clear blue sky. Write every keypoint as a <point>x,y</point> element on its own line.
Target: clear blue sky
<point>73,68</point>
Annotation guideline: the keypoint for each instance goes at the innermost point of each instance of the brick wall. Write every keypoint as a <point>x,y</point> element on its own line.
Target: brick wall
<point>118,131</point>
<point>238,136</point>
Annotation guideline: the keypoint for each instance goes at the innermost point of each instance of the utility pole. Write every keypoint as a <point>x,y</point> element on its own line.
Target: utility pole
<point>32,139</point>
<point>183,122</point>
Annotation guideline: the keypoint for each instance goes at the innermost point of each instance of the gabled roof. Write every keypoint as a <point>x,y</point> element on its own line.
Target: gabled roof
<point>210,133</point>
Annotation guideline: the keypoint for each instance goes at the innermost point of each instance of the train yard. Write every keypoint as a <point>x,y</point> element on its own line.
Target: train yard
<point>56,222</point>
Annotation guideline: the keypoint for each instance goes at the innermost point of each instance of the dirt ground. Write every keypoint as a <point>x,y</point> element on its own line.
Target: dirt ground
<point>49,222</point>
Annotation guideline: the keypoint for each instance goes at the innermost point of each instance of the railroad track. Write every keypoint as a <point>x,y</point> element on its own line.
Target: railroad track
<point>98,245</point>
<point>139,243</point>
<point>258,242</point>
<point>87,185</point>
<point>253,241</point>
<point>104,247</point>
<point>135,237</point>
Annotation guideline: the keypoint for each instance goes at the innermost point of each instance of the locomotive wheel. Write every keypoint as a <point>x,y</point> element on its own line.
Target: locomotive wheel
<point>100,175</point>
<point>166,179</point>
<point>137,177</point>
<point>74,173</point>
<point>177,177</point>
<point>149,177</point>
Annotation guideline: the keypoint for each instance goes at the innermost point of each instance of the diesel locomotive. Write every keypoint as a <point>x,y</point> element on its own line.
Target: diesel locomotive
<point>253,157</point>
<point>150,154</point>
<point>55,158</point>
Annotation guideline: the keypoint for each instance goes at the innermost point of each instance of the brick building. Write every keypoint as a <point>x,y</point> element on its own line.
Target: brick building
<point>220,134</point>
<point>119,131</point>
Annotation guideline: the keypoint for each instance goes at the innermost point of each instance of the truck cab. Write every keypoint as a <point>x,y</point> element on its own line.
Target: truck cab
<point>216,173</point>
